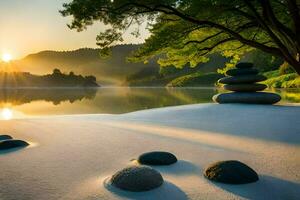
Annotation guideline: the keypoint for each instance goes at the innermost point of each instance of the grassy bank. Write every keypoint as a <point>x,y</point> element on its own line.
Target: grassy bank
<point>277,80</point>
<point>195,79</point>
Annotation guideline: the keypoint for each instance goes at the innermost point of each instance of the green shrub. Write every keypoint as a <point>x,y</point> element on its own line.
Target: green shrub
<point>195,79</point>
<point>285,68</point>
<point>275,80</point>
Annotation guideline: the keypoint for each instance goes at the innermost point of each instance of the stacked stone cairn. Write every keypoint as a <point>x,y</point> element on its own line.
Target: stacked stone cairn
<point>242,81</point>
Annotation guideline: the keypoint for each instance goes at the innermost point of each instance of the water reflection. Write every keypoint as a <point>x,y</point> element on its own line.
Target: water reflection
<point>23,102</point>
<point>56,96</point>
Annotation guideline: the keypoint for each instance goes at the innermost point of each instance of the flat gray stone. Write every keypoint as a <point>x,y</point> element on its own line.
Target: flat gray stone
<point>244,65</point>
<point>245,87</point>
<point>247,97</point>
<point>10,144</point>
<point>137,179</point>
<point>157,158</point>
<point>5,137</point>
<point>237,72</point>
<point>252,78</point>
<point>231,172</point>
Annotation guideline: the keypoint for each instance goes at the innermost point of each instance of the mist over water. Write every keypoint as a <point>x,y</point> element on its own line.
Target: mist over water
<point>20,103</point>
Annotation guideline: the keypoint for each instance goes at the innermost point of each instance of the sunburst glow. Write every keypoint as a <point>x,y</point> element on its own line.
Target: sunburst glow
<point>6,57</point>
<point>6,114</point>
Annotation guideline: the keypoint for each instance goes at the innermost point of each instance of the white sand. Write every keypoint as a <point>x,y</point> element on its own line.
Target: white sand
<point>71,156</point>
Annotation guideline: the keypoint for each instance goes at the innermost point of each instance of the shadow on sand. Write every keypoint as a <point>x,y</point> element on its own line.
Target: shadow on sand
<point>167,191</point>
<point>268,187</point>
<point>228,118</point>
<point>181,167</point>
<point>11,150</point>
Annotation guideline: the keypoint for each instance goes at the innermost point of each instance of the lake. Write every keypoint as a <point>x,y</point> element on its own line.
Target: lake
<point>20,103</point>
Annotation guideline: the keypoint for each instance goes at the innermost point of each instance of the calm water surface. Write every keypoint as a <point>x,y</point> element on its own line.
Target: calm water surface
<point>19,103</point>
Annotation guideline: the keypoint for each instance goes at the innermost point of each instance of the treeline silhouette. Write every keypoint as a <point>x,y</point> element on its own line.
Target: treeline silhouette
<point>56,79</point>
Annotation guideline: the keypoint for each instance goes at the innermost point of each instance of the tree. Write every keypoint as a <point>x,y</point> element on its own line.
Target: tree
<point>56,71</point>
<point>187,31</point>
<point>91,78</point>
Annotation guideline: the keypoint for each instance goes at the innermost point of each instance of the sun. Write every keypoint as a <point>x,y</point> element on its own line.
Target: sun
<point>7,114</point>
<point>6,57</point>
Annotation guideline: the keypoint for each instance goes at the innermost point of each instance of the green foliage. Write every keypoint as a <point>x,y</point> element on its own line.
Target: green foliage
<point>276,80</point>
<point>196,79</point>
<point>285,68</point>
<point>231,64</point>
<point>263,61</point>
<point>186,32</point>
<point>155,77</point>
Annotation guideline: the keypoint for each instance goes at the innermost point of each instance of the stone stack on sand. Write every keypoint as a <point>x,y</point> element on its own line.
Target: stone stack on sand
<point>243,82</point>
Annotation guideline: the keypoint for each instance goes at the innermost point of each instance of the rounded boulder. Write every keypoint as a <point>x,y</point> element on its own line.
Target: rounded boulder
<point>252,78</point>
<point>245,87</point>
<point>137,179</point>
<point>247,97</point>
<point>157,158</point>
<point>231,172</point>
<point>10,144</point>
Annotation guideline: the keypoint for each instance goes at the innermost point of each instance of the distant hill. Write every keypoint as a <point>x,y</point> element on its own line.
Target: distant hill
<point>86,61</point>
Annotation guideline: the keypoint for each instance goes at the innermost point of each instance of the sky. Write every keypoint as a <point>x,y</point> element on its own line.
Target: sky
<point>30,26</point>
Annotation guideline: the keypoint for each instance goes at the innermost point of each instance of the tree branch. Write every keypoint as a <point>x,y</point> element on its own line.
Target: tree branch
<point>204,40</point>
<point>284,51</point>
<point>287,34</point>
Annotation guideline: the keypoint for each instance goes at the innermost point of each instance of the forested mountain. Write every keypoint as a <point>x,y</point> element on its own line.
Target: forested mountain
<point>110,71</point>
<point>86,61</point>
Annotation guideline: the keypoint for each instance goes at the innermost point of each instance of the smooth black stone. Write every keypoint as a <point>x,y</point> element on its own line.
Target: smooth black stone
<point>157,158</point>
<point>244,65</point>
<point>247,97</point>
<point>137,179</point>
<point>238,72</point>
<point>231,172</point>
<point>5,137</point>
<point>242,79</point>
<point>245,87</point>
<point>10,144</point>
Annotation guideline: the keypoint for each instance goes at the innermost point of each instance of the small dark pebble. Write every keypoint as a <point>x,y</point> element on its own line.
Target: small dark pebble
<point>157,158</point>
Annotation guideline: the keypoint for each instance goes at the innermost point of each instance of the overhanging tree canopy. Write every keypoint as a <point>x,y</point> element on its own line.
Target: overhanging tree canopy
<point>188,30</point>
